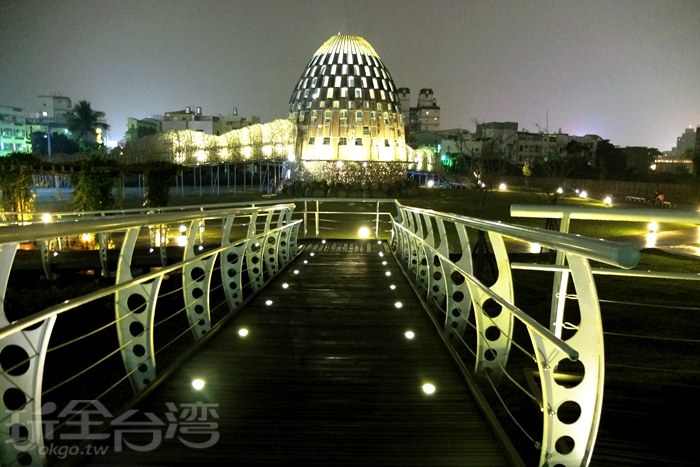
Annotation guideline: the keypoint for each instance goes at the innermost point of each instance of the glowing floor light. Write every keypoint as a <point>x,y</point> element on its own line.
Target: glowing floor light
<point>428,388</point>
<point>398,304</point>
<point>285,285</point>
<point>653,226</point>
<point>388,273</point>
<point>409,334</point>
<point>268,302</point>
<point>392,287</point>
<point>243,332</point>
<point>198,384</point>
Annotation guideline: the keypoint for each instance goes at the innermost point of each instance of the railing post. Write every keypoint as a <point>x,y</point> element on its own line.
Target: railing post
<point>495,328</point>
<point>572,409</point>
<point>103,241</point>
<point>196,280</point>
<point>317,218</point>
<point>232,266</point>
<point>134,309</point>
<point>560,284</point>
<point>22,362</point>
<point>376,223</point>
<point>306,223</point>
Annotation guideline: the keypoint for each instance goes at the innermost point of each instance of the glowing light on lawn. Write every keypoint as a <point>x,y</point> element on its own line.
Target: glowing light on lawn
<point>583,194</point>
<point>198,384</point>
<point>182,240</point>
<point>398,304</point>
<point>268,302</point>
<point>577,191</point>
<point>535,248</point>
<point>46,218</point>
<point>653,226</point>
<point>409,334</point>
<point>428,388</point>
<point>243,332</point>
<point>502,186</point>
<point>608,200</point>
<point>651,240</point>
<point>364,232</point>
<point>560,190</point>
<point>183,228</point>
<point>430,183</point>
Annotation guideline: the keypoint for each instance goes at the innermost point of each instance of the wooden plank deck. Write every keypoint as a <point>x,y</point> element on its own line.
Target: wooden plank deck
<point>326,377</point>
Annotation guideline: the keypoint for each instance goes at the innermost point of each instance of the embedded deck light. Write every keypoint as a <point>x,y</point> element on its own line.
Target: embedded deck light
<point>285,286</point>
<point>398,304</point>
<point>388,273</point>
<point>392,287</point>
<point>428,388</point>
<point>243,332</point>
<point>409,335</point>
<point>268,302</point>
<point>198,384</point>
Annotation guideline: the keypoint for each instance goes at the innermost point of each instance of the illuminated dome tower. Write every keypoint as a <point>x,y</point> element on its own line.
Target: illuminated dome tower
<point>346,107</point>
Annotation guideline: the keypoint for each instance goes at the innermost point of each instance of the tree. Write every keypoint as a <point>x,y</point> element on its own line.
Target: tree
<point>612,161</point>
<point>60,144</point>
<point>555,165</point>
<point>83,121</point>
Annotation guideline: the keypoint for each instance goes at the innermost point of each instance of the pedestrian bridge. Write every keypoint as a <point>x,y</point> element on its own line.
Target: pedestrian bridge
<point>263,342</point>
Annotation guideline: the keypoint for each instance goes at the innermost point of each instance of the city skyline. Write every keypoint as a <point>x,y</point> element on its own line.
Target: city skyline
<point>621,70</point>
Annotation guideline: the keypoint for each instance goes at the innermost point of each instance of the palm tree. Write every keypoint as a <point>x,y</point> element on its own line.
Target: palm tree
<point>83,121</point>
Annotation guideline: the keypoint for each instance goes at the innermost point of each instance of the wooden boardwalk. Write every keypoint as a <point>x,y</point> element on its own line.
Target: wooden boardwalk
<point>325,377</point>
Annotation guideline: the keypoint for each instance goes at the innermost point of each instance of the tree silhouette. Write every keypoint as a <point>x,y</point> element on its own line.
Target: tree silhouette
<point>83,121</point>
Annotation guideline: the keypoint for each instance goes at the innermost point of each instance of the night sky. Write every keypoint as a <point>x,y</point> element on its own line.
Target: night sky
<point>628,71</point>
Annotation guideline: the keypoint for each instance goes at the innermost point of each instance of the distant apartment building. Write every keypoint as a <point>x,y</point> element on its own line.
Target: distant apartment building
<point>53,108</point>
<point>139,128</point>
<point>13,132</point>
<point>425,116</point>
<point>209,124</point>
<point>503,140</point>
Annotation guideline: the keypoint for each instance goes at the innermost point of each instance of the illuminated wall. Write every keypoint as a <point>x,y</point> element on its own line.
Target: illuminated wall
<point>274,140</point>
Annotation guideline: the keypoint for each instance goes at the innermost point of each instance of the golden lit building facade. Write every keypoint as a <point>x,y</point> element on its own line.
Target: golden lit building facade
<point>345,106</point>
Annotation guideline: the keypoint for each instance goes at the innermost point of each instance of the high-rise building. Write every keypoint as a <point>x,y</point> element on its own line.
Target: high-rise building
<point>345,105</point>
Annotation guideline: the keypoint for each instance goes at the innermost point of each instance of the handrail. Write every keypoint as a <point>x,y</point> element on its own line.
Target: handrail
<point>613,214</point>
<point>540,330</point>
<point>605,251</point>
<point>67,305</point>
<point>23,233</point>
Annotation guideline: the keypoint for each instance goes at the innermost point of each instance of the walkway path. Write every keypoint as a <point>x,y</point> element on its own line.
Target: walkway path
<point>326,377</point>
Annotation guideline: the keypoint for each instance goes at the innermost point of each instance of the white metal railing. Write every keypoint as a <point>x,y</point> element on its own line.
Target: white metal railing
<point>426,243</point>
<point>268,245</point>
<point>566,214</point>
